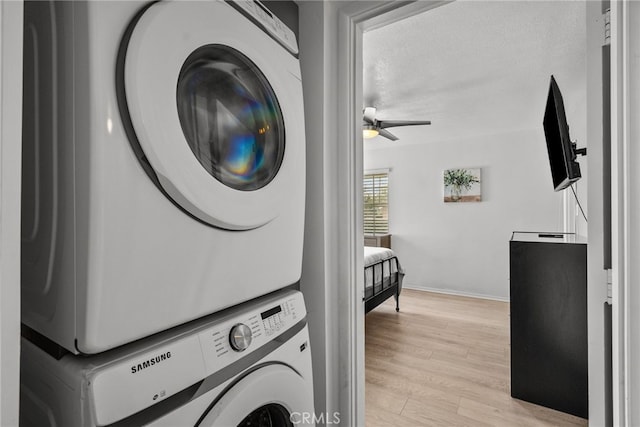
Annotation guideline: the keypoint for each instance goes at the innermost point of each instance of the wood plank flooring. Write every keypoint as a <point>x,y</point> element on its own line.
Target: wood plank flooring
<point>444,361</point>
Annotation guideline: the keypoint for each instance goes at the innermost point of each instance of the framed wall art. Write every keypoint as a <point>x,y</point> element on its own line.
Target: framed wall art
<point>462,185</point>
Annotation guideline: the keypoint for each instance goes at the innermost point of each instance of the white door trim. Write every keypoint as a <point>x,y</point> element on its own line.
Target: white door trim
<point>353,19</point>
<point>617,218</point>
<point>10,178</point>
<point>625,16</point>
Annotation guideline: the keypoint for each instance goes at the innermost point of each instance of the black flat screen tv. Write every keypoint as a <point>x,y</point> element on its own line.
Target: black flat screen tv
<point>565,170</point>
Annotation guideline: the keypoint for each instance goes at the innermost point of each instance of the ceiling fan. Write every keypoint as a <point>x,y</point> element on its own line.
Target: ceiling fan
<point>373,127</point>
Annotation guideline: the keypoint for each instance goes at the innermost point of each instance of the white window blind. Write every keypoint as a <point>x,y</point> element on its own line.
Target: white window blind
<point>376,203</point>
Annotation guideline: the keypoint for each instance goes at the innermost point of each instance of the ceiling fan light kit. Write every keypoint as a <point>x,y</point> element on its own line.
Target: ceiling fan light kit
<point>369,131</point>
<point>372,127</point>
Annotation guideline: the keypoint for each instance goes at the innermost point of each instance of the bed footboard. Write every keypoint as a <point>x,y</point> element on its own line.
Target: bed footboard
<point>383,279</point>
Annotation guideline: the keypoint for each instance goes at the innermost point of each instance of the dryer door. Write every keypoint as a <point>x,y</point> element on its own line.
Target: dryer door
<point>215,117</point>
<point>273,395</point>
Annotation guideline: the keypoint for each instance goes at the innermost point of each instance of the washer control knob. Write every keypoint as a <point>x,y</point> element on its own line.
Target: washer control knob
<point>240,337</point>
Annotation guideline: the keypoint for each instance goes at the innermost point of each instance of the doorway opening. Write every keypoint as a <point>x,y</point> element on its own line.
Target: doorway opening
<point>421,224</point>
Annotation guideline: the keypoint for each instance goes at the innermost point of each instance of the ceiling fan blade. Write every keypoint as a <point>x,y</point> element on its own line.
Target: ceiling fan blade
<point>369,115</point>
<point>387,134</point>
<point>395,123</point>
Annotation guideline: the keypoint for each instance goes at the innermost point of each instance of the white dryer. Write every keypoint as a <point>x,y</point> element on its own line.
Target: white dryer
<point>163,165</point>
<point>246,367</point>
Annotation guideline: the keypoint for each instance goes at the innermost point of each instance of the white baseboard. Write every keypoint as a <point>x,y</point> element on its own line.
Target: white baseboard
<point>406,285</point>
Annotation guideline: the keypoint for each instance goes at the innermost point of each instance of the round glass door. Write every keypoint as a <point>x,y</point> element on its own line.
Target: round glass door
<point>230,117</point>
<point>205,99</point>
<point>272,415</point>
<point>272,396</point>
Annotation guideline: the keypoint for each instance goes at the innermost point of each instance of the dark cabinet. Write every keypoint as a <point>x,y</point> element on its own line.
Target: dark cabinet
<point>548,283</point>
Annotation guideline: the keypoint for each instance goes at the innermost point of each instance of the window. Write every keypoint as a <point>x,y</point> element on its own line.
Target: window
<point>376,203</point>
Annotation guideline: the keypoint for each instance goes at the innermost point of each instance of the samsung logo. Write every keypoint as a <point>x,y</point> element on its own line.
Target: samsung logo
<point>150,362</point>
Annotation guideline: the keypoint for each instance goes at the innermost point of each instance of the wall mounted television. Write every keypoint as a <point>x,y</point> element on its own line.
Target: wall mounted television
<point>565,170</point>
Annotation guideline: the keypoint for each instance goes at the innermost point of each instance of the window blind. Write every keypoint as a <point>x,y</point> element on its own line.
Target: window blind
<point>376,203</point>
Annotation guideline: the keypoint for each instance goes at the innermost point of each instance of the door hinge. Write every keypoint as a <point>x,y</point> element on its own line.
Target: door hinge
<point>609,285</point>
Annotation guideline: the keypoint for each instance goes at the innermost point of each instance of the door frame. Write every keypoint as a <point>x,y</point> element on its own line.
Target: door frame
<point>354,18</point>
<point>625,205</point>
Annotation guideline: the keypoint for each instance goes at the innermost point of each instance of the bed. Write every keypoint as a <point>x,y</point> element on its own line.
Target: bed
<point>382,277</point>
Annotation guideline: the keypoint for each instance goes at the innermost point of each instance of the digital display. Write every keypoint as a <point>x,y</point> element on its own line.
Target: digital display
<point>271,312</point>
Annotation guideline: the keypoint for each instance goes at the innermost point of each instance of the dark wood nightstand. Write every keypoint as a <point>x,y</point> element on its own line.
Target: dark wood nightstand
<point>379,240</point>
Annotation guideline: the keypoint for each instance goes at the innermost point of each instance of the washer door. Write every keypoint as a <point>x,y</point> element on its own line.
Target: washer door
<point>274,395</point>
<point>209,104</point>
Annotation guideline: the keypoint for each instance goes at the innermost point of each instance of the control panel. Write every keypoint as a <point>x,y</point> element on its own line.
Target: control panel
<point>225,343</point>
<point>270,23</point>
<point>173,363</point>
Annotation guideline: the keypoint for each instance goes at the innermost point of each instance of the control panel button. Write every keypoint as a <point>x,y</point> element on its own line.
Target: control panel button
<point>240,337</point>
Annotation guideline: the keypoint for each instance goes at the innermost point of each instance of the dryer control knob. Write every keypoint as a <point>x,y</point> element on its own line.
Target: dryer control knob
<point>240,337</point>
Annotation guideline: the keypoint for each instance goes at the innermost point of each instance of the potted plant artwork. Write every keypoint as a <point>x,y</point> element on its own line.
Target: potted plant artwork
<point>462,185</point>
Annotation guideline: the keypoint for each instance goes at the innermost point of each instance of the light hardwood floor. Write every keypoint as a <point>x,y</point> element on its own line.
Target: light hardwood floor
<point>444,361</point>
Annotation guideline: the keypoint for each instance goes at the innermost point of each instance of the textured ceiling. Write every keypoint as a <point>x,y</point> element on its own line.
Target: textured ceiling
<point>474,67</point>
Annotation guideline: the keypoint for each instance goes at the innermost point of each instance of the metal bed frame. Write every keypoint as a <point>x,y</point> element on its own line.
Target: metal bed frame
<point>383,287</point>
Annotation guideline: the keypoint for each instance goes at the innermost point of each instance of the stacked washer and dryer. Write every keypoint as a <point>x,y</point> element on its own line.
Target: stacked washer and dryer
<point>163,216</point>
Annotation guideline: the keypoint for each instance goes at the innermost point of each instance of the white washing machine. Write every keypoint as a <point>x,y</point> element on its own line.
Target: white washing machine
<point>163,165</point>
<point>245,367</point>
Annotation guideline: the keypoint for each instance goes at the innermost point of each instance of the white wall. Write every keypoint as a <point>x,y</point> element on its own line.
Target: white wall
<point>463,248</point>
<point>10,146</point>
